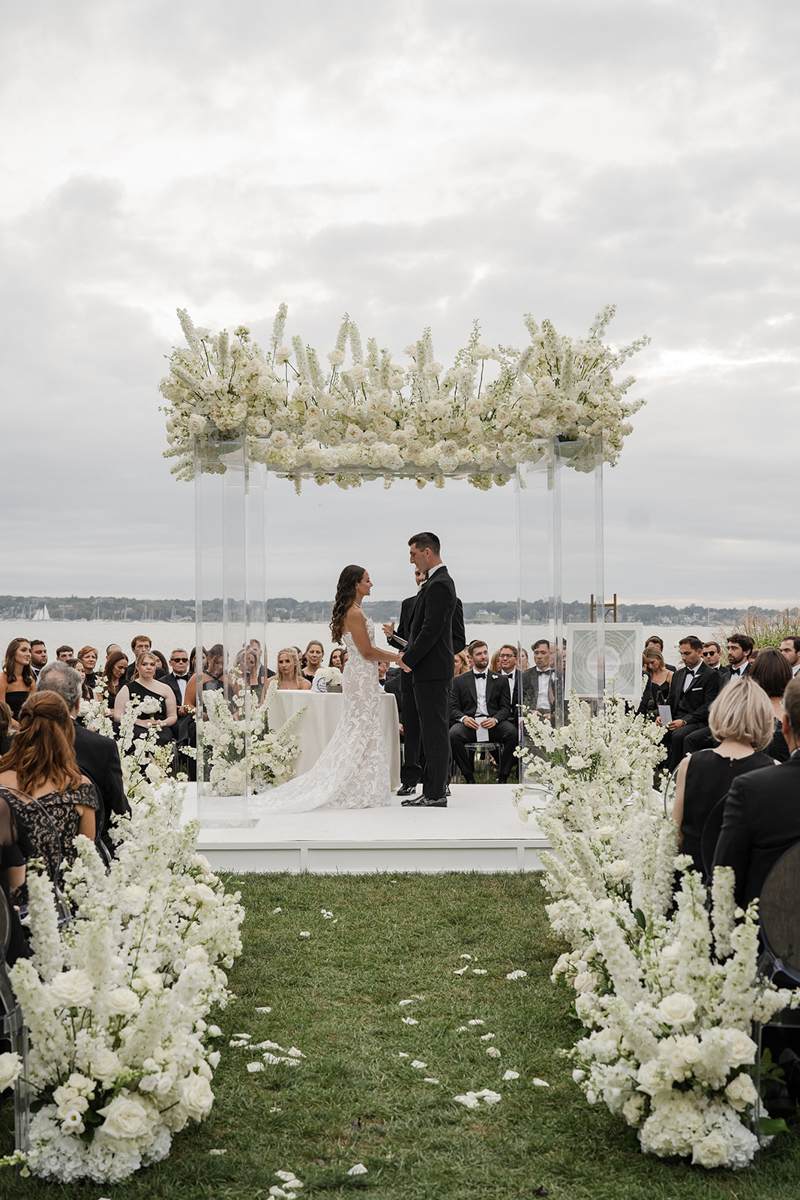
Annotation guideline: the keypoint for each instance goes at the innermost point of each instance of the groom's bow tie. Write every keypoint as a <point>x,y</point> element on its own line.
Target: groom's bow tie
<point>477,676</point>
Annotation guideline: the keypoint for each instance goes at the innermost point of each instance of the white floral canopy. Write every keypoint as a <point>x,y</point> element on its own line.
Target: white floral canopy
<point>368,414</point>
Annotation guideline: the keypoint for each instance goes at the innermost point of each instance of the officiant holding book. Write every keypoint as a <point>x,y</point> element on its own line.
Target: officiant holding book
<point>437,632</point>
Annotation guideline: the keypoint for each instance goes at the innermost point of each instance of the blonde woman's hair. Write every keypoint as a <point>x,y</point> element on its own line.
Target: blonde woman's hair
<point>651,655</point>
<point>742,711</point>
<point>462,658</point>
<point>292,652</point>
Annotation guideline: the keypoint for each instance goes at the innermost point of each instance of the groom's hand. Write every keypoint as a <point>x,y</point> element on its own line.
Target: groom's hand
<point>388,630</point>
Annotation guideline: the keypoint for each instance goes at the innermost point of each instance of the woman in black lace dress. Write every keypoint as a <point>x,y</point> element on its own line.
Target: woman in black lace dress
<point>41,783</point>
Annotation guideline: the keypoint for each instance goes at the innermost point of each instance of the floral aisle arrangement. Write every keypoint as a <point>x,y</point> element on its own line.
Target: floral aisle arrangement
<point>481,416</point>
<point>116,1002</point>
<point>666,991</point>
<point>270,754</point>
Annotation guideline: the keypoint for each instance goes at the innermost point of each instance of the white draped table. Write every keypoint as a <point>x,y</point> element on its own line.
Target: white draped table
<point>318,722</point>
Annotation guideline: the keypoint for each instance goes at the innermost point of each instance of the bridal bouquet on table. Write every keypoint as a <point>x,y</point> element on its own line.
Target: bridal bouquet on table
<point>234,735</point>
<point>121,1055</point>
<point>327,679</point>
<point>665,983</point>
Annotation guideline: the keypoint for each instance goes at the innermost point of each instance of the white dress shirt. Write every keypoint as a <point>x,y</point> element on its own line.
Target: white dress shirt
<point>543,699</point>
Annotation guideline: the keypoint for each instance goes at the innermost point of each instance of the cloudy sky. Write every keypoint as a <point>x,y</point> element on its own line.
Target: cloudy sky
<point>415,165</point>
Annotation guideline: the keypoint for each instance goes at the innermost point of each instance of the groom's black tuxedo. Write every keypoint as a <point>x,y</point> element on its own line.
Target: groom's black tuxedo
<point>437,630</point>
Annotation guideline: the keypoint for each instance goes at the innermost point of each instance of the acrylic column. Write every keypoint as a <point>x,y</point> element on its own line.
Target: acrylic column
<point>560,565</point>
<point>230,604</point>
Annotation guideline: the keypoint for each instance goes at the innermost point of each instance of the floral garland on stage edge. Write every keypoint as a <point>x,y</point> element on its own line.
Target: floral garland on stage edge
<point>668,993</point>
<point>375,414</point>
<point>121,1056</point>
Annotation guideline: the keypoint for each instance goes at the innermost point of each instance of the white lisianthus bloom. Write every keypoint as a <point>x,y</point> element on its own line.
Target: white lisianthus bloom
<point>124,1118</point>
<point>677,1009</point>
<point>71,989</point>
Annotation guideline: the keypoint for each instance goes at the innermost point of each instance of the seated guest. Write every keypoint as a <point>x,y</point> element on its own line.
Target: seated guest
<point>692,690</point>
<point>97,756</point>
<point>712,654</point>
<point>290,677</point>
<point>494,662</point>
<point>790,649</point>
<point>88,656</point>
<point>245,674</point>
<point>335,659</point>
<point>41,763</point>
<point>480,699</point>
<point>139,644</point>
<point>507,659</point>
<point>112,646</point>
<point>460,663</point>
<point>656,689</point>
<point>6,730</point>
<point>144,685</point>
<point>163,665</point>
<point>64,652</point>
<point>77,665</point>
<point>315,652</point>
<point>741,722</point>
<point>762,815</point>
<point>657,643</point>
<point>772,672</point>
<point>178,676</point>
<point>16,678</point>
<point>212,678</point>
<point>740,650</point>
<point>114,673</point>
<point>539,683</point>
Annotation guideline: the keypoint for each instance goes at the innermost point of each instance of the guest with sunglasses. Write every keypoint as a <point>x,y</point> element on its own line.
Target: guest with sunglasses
<point>712,654</point>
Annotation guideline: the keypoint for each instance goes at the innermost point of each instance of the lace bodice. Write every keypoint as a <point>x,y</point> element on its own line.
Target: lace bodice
<point>353,769</point>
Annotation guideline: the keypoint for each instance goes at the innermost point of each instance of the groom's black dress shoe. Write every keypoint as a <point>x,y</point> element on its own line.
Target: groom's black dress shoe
<point>413,802</point>
<point>407,790</point>
<point>440,803</point>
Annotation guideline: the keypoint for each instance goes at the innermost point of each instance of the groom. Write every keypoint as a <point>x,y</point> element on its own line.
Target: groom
<point>436,626</point>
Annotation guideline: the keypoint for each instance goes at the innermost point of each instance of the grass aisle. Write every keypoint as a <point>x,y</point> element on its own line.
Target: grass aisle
<point>335,995</point>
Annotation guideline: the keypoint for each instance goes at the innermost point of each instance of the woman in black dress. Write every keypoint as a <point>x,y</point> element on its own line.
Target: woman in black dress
<point>16,678</point>
<point>772,672</point>
<point>89,656</point>
<point>741,721</point>
<point>143,686</point>
<point>113,677</point>
<point>656,689</point>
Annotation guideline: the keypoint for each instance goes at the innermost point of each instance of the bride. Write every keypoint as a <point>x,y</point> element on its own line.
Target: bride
<point>353,769</point>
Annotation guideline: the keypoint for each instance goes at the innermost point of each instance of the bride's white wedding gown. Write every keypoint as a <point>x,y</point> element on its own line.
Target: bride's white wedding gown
<point>353,769</point>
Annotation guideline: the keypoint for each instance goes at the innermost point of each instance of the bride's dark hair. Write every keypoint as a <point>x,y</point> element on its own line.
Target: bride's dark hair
<point>345,596</point>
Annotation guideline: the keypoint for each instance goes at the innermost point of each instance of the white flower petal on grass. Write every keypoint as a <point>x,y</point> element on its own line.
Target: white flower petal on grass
<point>271,1059</point>
<point>246,1036</point>
<point>238,1042</point>
<point>469,956</point>
<point>287,1176</point>
<point>511,1075</point>
<point>462,1029</point>
<point>275,1109</point>
<point>264,1008</point>
<point>487,1037</point>
<point>277,910</point>
<point>490,1097</point>
<point>404,1055</point>
<point>293,1052</point>
<point>357,1169</point>
<point>517,975</point>
<point>305,933</point>
<point>218,1152</point>
<point>326,913</point>
<point>476,1021</point>
<point>269,1046</point>
<point>461,972</point>
<point>469,1100</point>
<point>402,1002</point>
<point>479,971</point>
<point>253,1067</point>
<point>493,1052</point>
<point>409,1020</point>
<point>418,1066</point>
<point>540,1083</point>
<point>428,1079</point>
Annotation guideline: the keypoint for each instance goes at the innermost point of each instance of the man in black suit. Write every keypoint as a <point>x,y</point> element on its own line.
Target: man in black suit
<point>762,813</point>
<point>434,637</point>
<point>539,681</point>
<point>480,699</point>
<point>411,769</point>
<point>692,689</point>
<point>97,756</point>
<point>740,647</point>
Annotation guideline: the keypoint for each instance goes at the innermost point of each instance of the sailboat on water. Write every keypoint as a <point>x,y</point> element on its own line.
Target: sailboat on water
<point>41,614</point>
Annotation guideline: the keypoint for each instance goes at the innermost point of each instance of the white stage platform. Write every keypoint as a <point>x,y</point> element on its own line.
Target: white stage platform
<point>478,831</point>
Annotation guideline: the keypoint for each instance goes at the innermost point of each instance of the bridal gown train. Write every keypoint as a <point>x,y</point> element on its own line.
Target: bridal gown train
<point>353,769</point>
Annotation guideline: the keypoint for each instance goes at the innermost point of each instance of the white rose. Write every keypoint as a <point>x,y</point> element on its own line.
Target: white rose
<point>585,981</point>
<point>741,1048</point>
<point>335,357</point>
<point>741,1092</point>
<point>712,1150</point>
<point>105,1066</point>
<point>196,423</point>
<point>123,1002</point>
<point>672,954</point>
<point>618,870</point>
<point>124,1118</point>
<point>677,1009</point>
<point>197,1096</point>
<point>71,989</point>
<point>10,1067</point>
<point>201,893</point>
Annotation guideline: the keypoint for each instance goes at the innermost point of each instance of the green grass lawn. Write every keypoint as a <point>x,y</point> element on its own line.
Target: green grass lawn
<point>353,1098</point>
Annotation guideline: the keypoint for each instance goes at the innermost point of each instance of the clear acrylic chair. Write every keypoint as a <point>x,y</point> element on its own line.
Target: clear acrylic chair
<point>12,1029</point>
